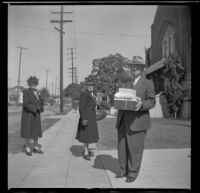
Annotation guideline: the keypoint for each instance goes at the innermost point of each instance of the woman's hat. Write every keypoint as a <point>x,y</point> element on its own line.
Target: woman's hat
<point>32,80</point>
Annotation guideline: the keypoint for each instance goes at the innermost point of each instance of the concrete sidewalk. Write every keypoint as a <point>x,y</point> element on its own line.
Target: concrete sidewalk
<point>62,165</point>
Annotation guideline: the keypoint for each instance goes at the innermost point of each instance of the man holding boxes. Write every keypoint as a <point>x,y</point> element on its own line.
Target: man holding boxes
<point>133,123</point>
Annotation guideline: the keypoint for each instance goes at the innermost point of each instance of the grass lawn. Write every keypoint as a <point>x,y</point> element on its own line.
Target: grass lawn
<point>164,133</point>
<point>15,142</point>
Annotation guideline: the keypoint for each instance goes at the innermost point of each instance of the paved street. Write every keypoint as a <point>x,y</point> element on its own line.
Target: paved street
<point>14,117</point>
<point>14,121</point>
<point>62,165</point>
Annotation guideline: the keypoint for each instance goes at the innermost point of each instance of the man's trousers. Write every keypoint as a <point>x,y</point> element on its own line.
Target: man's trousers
<point>130,149</point>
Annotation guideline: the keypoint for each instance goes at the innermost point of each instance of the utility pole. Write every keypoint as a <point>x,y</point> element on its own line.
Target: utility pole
<point>72,59</point>
<point>56,86</point>
<point>21,48</point>
<point>47,78</point>
<point>72,72</point>
<point>75,74</point>
<point>52,88</point>
<point>61,22</point>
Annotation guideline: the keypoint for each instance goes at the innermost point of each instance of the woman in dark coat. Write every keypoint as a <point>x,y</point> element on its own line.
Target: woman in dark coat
<point>31,122</point>
<point>87,127</point>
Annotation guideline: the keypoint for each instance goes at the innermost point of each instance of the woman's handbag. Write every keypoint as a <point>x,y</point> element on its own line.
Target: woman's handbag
<point>100,114</point>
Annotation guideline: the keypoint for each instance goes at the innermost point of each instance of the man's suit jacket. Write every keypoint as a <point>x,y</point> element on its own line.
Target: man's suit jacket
<point>139,120</point>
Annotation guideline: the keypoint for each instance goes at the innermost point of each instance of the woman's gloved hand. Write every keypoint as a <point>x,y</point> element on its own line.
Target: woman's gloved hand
<point>85,122</point>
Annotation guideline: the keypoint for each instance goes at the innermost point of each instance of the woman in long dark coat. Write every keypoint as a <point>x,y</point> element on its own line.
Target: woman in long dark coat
<point>87,127</point>
<point>31,122</point>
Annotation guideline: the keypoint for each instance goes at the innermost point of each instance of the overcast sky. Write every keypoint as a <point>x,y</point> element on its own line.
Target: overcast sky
<point>100,30</point>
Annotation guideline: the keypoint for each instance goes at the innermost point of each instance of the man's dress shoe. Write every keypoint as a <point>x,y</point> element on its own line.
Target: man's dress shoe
<point>86,156</point>
<point>37,151</point>
<point>91,153</point>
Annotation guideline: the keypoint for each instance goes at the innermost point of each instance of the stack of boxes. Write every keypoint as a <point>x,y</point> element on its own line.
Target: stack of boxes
<point>125,99</point>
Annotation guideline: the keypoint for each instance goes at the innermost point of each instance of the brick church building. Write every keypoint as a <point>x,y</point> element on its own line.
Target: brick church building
<point>170,33</point>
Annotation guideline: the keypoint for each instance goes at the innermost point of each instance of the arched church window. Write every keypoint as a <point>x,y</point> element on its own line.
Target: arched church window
<point>168,45</point>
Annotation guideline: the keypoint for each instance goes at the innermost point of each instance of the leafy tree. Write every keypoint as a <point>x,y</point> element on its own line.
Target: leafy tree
<point>187,93</point>
<point>51,101</point>
<point>44,93</point>
<point>73,90</point>
<point>173,75</point>
<point>108,72</point>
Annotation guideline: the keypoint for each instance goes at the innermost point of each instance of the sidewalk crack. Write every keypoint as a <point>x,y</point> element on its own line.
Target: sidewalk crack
<point>104,168</point>
<point>69,160</point>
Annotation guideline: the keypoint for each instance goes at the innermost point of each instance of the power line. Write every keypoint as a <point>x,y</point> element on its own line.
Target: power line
<point>31,27</point>
<point>112,34</point>
<point>86,32</point>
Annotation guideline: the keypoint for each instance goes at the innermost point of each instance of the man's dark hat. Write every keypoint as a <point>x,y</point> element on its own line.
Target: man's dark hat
<point>32,80</point>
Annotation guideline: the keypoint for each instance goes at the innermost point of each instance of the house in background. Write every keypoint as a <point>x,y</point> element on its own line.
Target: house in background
<point>12,95</point>
<point>170,33</point>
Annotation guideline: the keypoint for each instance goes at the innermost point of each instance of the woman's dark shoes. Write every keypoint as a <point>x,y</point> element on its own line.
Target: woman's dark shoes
<point>130,179</point>
<point>29,153</point>
<point>24,148</point>
<point>37,151</point>
<point>86,156</point>
<point>120,175</point>
<point>91,153</point>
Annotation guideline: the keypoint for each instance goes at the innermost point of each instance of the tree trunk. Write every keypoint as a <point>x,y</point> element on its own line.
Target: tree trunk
<point>175,115</point>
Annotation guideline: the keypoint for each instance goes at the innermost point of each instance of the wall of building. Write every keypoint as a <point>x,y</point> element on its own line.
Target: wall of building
<point>164,15</point>
<point>179,17</point>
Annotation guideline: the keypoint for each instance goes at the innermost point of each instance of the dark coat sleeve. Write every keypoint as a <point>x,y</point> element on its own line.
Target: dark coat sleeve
<point>83,106</point>
<point>41,103</point>
<point>28,102</point>
<point>149,101</point>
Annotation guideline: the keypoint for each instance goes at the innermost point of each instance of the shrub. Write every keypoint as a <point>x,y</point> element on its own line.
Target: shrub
<point>173,74</point>
<point>104,105</point>
<point>163,103</point>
